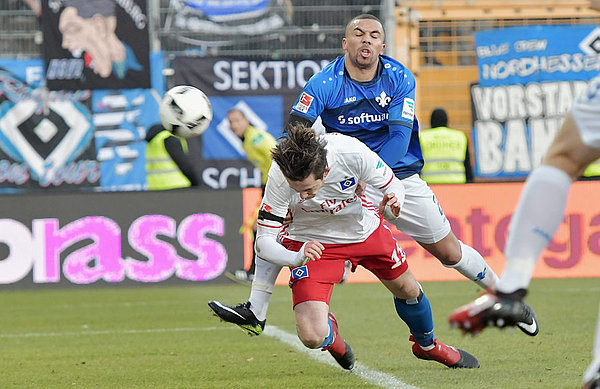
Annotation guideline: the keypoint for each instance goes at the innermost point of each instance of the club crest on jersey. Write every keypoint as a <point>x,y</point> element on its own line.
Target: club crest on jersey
<point>383,99</point>
<point>347,183</point>
<point>299,272</point>
<point>304,102</point>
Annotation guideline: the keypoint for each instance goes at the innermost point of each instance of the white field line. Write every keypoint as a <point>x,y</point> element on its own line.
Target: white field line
<point>370,375</point>
<point>366,373</point>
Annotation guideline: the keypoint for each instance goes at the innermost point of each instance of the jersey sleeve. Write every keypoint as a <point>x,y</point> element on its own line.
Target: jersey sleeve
<point>402,106</point>
<point>311,101</point>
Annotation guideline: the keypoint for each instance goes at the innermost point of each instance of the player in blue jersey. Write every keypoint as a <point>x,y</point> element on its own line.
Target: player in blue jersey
<point>370,96</point>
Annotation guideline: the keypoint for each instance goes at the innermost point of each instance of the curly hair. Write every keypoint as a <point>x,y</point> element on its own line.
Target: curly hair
<point>300,153</point>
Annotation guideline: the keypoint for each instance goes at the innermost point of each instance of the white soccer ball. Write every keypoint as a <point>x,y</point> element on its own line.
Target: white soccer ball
<point>185,111</point>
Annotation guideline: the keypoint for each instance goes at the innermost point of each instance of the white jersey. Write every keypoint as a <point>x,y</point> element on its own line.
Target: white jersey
<point>586,113</point>
<point>336,214</point>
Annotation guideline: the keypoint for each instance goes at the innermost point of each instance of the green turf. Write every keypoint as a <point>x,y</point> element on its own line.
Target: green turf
<point>165,337</point>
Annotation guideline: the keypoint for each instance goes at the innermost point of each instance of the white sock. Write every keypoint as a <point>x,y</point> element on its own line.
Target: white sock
<point>539,213</point>
<point>265,274</point>
<point>473,266</point>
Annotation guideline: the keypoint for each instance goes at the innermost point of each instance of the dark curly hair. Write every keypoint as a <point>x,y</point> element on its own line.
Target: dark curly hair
<point>301,152</point>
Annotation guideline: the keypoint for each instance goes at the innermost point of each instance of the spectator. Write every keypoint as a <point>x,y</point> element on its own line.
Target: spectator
<point>167,163</point>
<point>445,152</point>
<point>258,145</point>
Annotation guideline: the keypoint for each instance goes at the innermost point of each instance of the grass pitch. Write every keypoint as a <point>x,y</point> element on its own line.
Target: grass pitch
<point>165,337</point>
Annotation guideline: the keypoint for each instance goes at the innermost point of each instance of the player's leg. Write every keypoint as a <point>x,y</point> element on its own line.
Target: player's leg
<point>416,313</point>
<point>535,221</point>
<point>316,326</point>
<point>591,378</point>
<point>381,255</point>
<point>423,219</point>
<point>251,315</point>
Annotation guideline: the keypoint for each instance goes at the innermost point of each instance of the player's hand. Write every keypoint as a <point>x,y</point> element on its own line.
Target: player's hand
<point>313,250</point>
<point>389,206</point>
<point>288,219</point>
<point>360,188</point>
<point>310,251</point>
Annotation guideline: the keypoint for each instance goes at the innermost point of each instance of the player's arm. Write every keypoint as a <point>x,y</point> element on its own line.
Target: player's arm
<point>309,105</point>
<point>400,121</point>
<point>296,119</point>
<point>181,159</point>
<point>271,216</point>
<point>395,148</point>
<point>268,248</point>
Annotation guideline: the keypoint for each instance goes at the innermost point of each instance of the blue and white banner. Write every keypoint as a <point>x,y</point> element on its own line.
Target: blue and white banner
<point>528,79</point>
<point>45,137</point>
<point>122,117</point>
<point>520,55</point>
<point>73,139</point>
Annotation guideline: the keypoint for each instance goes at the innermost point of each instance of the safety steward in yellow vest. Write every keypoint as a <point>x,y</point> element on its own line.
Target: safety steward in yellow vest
<point>167,163</point>
<point>593,170</point>
<point>445,152</point>
<point>258,145</point>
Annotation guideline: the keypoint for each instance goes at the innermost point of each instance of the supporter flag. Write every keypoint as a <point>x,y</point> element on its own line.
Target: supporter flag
<point>91,44</point>
<point>45,138</point>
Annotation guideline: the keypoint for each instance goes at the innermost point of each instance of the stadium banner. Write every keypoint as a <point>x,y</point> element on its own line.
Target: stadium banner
<point>122,117</point>
<point>479,215</point>
<point>96,44</point>
<point>120,238</point>
<point>222,23</point>
<point>264,90</point>
<point>45,136</point>
<point>119,119</point>
<point>528,79</point>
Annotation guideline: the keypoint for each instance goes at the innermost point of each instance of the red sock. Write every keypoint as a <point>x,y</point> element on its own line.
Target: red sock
<point>338,347</point>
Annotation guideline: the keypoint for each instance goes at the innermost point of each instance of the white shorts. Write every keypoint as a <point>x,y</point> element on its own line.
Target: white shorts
<point>586,113</point>
<point>421,216</point>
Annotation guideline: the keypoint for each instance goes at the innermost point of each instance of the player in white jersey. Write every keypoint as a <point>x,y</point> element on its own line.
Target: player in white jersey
<point>538,215</point>
<point>315,178</point>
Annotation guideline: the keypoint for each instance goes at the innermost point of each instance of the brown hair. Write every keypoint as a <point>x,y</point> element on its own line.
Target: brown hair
<point>300,153</point>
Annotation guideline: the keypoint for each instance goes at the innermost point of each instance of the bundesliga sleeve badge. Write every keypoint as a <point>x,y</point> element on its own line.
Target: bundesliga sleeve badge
<point>304,102</point>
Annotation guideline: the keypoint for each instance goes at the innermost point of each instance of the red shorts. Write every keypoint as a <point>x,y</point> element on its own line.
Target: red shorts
<point>380,254</point>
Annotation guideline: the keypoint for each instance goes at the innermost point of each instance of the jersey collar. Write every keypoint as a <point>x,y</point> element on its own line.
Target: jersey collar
<point>366,83</point>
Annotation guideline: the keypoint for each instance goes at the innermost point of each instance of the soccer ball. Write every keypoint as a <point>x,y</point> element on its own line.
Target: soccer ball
<point>185,111</point>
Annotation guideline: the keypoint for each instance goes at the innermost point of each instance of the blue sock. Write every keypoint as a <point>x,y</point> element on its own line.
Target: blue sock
<point>416,313</point>
<point>329,338</point>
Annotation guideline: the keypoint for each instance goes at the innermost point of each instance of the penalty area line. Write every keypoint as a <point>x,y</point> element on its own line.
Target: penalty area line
<point>372,376</point>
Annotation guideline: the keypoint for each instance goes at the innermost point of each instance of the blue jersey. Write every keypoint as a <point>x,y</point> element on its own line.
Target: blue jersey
<point>379,112</point>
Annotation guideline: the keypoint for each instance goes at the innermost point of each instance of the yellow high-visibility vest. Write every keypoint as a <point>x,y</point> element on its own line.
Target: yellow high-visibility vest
<point>258,145</point>
<point>161,171</point>
<point>444,151</point>
<point>593,169</point>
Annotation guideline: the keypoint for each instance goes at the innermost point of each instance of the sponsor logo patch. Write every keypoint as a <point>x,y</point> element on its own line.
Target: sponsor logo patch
<point>408,109</point>
<point>299,272</point>
<point>304,102</point>
<point>265,207</point>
